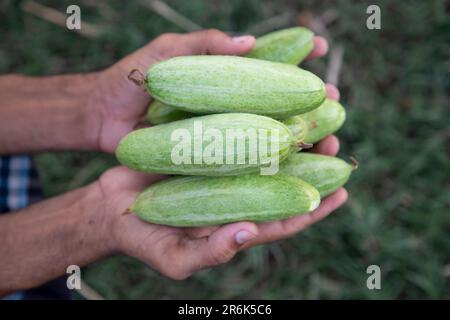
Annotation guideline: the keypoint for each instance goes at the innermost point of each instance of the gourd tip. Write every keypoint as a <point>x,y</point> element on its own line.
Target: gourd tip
<point>304,145</point>
<point>355,163</point>
<point>127,212</point>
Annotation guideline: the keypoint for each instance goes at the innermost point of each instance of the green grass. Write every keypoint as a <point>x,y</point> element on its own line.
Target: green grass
<point>394,83</point>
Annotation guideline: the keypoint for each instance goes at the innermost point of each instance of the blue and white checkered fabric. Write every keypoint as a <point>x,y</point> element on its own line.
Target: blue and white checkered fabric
<point>19,183</point>
<point>19,187</point>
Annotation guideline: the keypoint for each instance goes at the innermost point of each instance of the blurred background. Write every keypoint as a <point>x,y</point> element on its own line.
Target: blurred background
<point>394,83</point>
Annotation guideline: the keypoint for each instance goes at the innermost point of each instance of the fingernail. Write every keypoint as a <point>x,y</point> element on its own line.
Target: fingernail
<point>244,236</point>
<point>242,39</point>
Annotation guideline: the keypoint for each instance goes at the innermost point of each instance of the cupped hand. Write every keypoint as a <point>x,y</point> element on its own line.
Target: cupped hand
<point>118,105</point>
<point>180,252</point>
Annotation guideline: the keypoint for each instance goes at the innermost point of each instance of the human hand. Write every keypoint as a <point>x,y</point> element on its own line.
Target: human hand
<point>118,106</point>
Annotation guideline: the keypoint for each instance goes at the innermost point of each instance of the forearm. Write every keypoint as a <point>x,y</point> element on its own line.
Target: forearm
<point>39,243</point>
<point>50,113</point>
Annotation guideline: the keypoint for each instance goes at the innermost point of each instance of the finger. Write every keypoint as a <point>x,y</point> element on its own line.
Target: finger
<point>221,245</point>
<point>328,146</point>
<point>213,41</point>
<point>277,230</point>
<point>320,48</point>
<point>332,92</point>
<point>327,206</point>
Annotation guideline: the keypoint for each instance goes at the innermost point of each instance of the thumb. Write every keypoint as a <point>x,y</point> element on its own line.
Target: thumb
<point>213,41</point>
<point>224,243</point>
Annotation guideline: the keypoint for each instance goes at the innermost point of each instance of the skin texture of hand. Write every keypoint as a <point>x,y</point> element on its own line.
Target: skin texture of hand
<point>118,105</point>
<point>179,252</point>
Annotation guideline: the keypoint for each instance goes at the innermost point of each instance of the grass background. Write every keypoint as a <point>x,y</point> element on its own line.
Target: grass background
<point>394,83</point>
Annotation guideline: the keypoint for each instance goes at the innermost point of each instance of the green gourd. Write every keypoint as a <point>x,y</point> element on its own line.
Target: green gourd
<point>159,113</point>
<point>320,122</point>
<point>209,145</point>
<point>203,201</point>
<point>219,84</point>
<point>291,45</point>
<point>325,173</point>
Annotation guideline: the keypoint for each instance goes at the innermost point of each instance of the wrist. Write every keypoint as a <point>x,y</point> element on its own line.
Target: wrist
<point>91,108</point>
<point>96,222</point>
<point>42,240</point>
<point>50,113</point>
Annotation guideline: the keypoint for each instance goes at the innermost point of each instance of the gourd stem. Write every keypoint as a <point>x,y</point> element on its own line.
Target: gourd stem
<point>127,211</point>
<point>355,163</point>
<point>304,145</point>
<point>137,77</point>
